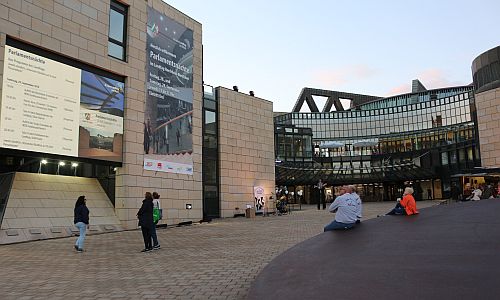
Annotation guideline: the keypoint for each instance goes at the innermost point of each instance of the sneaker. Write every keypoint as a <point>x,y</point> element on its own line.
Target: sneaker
<point>156,247</point>
<point>79,249</point>
<point>146,250</point>
<point>76,247</point>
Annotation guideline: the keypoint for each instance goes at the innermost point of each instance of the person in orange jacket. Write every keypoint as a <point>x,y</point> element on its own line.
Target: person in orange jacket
<point>407,205</point>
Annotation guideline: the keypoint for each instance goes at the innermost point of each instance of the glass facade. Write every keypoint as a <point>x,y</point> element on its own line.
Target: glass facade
<point>211,202</point>
<point>293,144</point>
<point>425,136</point>
<point>375,123</point>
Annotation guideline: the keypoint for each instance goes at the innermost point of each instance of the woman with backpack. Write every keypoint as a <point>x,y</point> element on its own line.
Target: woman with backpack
<point>156,217</point>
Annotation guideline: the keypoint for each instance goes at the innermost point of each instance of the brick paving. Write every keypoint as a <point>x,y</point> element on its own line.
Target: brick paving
<point>218,260</point>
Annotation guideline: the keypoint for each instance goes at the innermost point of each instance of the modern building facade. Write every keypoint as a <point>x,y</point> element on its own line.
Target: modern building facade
<point>427,137</point>
<point>105,99</point>
<point>486,74</point>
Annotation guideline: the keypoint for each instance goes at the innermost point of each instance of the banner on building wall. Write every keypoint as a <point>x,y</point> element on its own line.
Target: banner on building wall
<point>168,142</point>
<point>258,193</point>
<point>51,107</point>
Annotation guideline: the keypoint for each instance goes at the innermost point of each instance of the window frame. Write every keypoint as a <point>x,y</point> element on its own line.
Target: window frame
<point>121,9</point>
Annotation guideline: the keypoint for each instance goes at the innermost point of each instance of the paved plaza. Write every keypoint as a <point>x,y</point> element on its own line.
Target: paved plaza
<point>218,260</point>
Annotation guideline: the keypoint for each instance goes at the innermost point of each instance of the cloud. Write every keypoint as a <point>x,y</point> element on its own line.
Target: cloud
<point>400,89</point>
<point>343,75</point>
<point>435,78</point>
<point>430,78</point>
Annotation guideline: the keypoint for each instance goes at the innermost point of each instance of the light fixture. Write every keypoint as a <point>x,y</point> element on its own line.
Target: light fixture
<point>42,162</point>
<point>74,165</point>
<point>189,206</point>
<point>61,163</point>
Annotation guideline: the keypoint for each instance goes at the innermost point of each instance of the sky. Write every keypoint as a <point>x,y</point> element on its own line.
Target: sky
<point>276,47</point>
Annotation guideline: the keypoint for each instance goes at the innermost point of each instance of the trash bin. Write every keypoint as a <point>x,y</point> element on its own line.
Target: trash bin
<point>250,213</point>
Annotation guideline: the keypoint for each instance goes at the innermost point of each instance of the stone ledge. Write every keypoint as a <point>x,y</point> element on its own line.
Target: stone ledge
<point>12,232</point>
<point>12,236</point>
<point>56,230</point>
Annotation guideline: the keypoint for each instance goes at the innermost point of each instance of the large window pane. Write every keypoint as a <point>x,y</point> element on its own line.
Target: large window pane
<point>210,171</point>
<point>116,25</point>
<point>210,124</point>
<point>444,158</point>
<point>115,50</point>
<point>210,141</point>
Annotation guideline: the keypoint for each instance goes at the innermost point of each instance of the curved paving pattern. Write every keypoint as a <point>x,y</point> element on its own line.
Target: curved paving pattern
<point>446,252</point>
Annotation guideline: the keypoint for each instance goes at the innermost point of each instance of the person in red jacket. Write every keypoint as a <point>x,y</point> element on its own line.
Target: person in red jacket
<point>407,206</point>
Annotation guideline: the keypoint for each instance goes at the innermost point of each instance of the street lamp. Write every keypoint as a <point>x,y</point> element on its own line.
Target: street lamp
<point>42,162</point>
<point>61,164</point>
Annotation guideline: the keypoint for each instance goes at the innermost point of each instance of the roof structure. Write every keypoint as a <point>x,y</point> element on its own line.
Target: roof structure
<point>333,99</point>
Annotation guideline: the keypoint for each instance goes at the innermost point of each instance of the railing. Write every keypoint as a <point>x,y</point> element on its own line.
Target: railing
<point>5,188</point>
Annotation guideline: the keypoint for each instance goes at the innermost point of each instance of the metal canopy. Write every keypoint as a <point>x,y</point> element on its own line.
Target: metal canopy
<point>294,173</point>
<point>331,145</point>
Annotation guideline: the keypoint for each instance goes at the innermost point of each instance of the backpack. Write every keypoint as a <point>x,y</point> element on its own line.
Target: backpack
<point>156,215</point>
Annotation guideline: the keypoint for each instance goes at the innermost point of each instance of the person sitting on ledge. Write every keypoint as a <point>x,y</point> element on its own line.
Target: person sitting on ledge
<point>407,206</point>
<point>345,209</point>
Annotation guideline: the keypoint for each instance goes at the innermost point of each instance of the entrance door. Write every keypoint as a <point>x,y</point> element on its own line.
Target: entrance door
<point>211,204</point>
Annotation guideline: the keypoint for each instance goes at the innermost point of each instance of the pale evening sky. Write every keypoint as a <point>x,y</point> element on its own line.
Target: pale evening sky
<point>276,48</point>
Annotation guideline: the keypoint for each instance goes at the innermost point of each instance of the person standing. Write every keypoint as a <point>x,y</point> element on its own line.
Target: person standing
<point>145,215</point>
<point>156,217</point>
<point>81,221</point>
<point>321,194</point>
<point>345,209</point>
<point>455,192</point>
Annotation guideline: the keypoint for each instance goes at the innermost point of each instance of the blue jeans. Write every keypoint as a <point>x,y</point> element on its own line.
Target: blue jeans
<point>83,230</point>
<point>334,225</point>
<point>398,210</point>
<point>154,236</point>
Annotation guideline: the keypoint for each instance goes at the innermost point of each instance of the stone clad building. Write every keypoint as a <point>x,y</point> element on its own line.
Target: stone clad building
<point>246,148</point>
<point>161,140</point>
<point>486,73</point>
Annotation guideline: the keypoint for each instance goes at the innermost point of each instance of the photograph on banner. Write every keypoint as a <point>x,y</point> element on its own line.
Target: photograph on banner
<point>168,141</point>
<point>101,117</point>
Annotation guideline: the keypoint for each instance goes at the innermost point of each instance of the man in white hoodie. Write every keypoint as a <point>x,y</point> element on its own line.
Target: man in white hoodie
<point>346,210</point>
<point>359,204</point>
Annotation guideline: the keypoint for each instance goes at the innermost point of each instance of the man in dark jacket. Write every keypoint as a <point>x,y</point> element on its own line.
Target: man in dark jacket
<point>145,215</point>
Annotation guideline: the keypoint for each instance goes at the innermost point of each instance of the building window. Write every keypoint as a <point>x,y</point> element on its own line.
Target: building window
<point>117,37</point>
